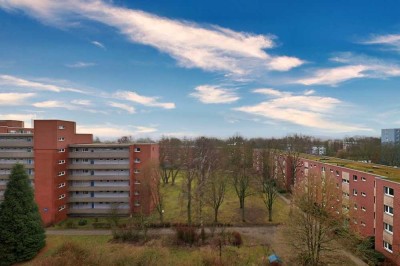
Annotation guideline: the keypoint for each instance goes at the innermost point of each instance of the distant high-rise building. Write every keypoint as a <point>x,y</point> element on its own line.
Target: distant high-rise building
<point>390,136</point>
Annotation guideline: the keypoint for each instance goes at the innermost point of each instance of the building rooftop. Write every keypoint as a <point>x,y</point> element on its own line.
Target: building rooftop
<point>386,172</point>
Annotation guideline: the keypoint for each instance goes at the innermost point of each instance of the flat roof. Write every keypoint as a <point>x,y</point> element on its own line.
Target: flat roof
<point>384,171</point>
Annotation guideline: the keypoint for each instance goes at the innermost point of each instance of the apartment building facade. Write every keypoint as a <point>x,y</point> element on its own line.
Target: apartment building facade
<point>371,201</point>
<point>70,175</point>
<point>390,136</point>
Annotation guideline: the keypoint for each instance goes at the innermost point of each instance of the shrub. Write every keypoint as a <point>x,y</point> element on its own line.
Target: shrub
<point>70,224</point>
<point>127,235</point>
<point>100,225</point>
<point>235,239</point>
<point>82,222</point>
<point>186,234</point>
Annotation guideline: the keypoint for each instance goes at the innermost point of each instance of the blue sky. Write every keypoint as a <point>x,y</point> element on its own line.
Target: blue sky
<point>189,68</point>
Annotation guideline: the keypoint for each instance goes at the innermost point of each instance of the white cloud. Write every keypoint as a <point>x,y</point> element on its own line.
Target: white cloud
<point>284,63</point>
<point>390,40</point>
<point>126,107</point>
<point>98,44</point>
<point>143,100</point>
<point>214,94</point>
<point>14,98</point>
<point>304,110</point>
<point>356,67</point>
<point>50,104</point>
<point>309,92</point>
<point>143,130</point>
<point>210,48</point>
<point>271,92</point>
<point>80,65</point>
<point>333,76</point>
<point>24,83</point>
<point>82,102</point>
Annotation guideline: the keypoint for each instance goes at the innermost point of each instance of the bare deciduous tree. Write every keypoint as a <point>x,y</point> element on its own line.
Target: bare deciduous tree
<point>315,216</point>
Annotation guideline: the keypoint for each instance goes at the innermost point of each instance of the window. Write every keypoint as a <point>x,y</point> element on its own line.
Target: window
<point>363,209</point>
<point>137,149</point>
<point>61,173</point>
<point>388,228</point>
<point>355,192</point>
<point>61,127</point>
<point>363,223</point>
<point>61,196</point>
<point>363,179</point>
<point>346,181</point>
<point>61,161</point>
<point>337,173</point>
<point>61,150</point>
<point>62,207</point>
<point>136,171</point>
<point>61,139</point>
<point>61,185</point>
<point>346,195</point>
<point>388,209</point>
<point>389,191</point>
<point>363,194</point>
<point>388,246</point>
<point>137,160</point>
<point>355,178</point>
<point>355,206</point>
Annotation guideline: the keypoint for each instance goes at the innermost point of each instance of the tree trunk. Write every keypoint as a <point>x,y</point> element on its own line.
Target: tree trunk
<point>242,203</point>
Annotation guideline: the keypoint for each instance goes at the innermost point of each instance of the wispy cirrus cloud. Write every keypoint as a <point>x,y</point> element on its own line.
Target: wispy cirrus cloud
<point>82,102</point>
<point>355,67</point>
<point>388,40</point>
<point>34,85</point>
<point>143,100</point>
<point>98,44</point>
<point>74,105</point>
<point>126,107</point>
<point>304,110</point>
<point>11,98</point>
<point>211,48</point>
<point>210,94</point>
<point>80,65</point>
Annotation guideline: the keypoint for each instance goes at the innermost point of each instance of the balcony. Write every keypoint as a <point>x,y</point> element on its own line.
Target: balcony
<point>102,188</point>
<point>11,165</point>
<point>77,166</point>
<point>98,199</point>
<point>16,154</point>
<point>15,143</point>
<point>96,155</point>
<point>96,211</point>
<point>6,176</point>
<point>97,178</point>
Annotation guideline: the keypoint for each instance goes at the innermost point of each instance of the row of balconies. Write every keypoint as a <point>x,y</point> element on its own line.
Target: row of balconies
<point>100,188</point>
<point>96,155</point>
<point>99,183</point>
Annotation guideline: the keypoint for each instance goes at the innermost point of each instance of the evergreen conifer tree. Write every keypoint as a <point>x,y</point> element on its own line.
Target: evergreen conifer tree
<point>21,230</point>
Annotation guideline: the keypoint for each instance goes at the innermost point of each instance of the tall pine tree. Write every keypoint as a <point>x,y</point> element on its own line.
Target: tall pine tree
<point>21,231</point>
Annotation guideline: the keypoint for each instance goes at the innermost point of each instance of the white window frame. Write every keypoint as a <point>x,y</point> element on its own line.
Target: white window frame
<point>387,208</point>
<point>363,179</point>
<point>355,193</point>
<point>62,207</point>
<point>363,194</point>
<point>387,246</point>
<point>61,161</point>
<point>61,139</point>
<point>387,191</point>
<point>61,173</point>
<point>61,127</point>
<point>61,196</point>
<point>61,150</point>
<point>387,227</point>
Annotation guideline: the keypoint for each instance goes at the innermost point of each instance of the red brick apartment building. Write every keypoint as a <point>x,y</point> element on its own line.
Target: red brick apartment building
<point>70,174</point>
<point>371,200</point>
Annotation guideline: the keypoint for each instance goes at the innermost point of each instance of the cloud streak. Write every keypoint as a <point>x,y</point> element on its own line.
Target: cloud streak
<point>143,100</point>
<point>34,85</point>
<point>211,48</point>
<point>304,110</point>
<point>209,94</point>
<point>356,67</point>
<point>80,65</point>
<point>14,98</point>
